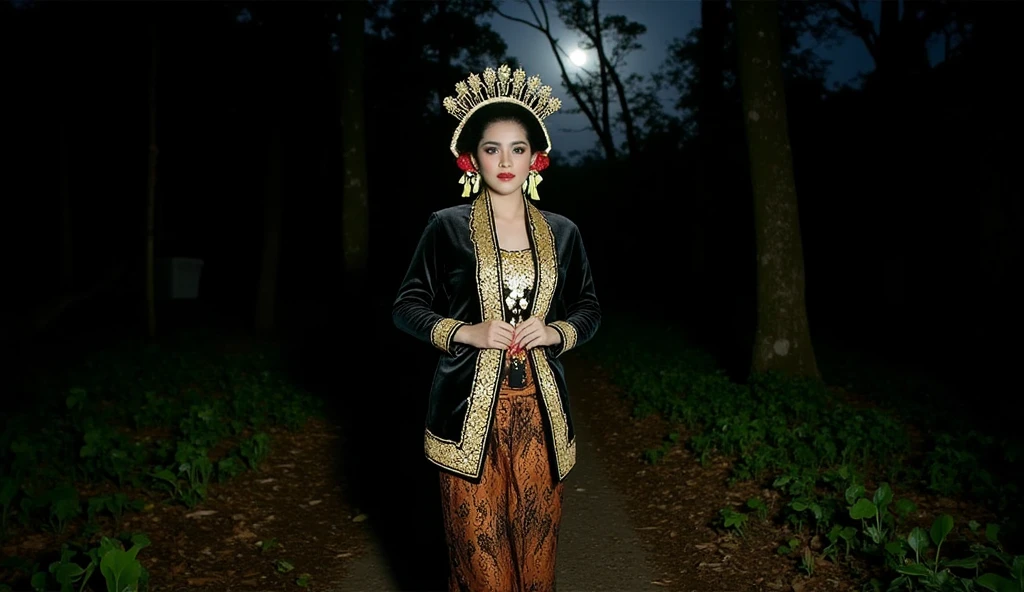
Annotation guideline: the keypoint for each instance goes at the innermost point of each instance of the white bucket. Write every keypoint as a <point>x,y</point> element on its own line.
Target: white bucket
<point>183,280</point>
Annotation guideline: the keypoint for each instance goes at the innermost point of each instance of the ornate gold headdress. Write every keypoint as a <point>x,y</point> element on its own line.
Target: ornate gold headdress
<point>502,85</point>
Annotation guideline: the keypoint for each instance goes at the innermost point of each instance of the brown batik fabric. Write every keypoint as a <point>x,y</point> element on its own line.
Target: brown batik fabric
<point>502,532</point>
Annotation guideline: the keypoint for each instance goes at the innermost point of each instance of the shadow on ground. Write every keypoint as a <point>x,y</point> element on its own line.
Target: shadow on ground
<point>379,396</point>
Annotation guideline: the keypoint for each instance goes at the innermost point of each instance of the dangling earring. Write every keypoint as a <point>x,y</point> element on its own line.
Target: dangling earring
<point>470,177</point>
<point>533,180</point>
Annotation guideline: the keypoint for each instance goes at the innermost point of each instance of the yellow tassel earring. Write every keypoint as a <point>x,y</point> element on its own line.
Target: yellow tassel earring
<point>470,181</point>
<point>530,185</point>
<point>470,177</point>
<point>540,163</point>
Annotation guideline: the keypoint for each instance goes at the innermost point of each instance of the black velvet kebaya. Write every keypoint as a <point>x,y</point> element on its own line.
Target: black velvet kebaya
<point>458,256</point>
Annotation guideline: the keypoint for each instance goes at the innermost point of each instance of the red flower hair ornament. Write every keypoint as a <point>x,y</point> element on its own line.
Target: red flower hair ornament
<point>471,177</point>
<point>540,163</point>
<point>501,85</point>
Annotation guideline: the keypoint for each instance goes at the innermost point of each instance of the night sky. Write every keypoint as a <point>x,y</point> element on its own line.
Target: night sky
<point>665,20</point>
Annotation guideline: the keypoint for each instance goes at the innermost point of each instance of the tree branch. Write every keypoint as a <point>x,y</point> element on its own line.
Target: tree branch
<point>545,27</point>
<point>861,27</point>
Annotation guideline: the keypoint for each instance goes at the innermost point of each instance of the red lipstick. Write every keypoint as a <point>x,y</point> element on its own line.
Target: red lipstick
<point>506,176</point>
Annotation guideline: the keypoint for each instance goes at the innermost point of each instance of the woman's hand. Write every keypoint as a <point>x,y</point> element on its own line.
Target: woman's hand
<point>487,335</point>
<point>532,333</point>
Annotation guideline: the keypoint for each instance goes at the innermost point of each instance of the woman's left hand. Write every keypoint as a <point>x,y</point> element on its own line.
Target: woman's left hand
<point>532,333</point>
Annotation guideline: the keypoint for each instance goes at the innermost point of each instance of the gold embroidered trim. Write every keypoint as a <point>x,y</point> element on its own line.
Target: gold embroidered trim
<point>442,332</point>
<point>568,333</point>
<point>565,449</point>
<point>547,266</point>
<point>547,280</point>
<point>465,456</point>
<point>488,272</point>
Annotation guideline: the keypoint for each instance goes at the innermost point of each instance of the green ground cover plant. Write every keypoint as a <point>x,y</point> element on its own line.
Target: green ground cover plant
<point>132,425</point>
<point>846,465</point>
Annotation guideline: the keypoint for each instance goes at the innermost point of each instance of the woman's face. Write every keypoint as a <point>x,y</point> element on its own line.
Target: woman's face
<point>504,157</point>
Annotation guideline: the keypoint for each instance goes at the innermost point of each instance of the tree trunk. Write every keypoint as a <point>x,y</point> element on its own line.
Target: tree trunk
<point>67,259</point>
<point>603,65</point>
<point>710,120</point>
<point>151,201</point>
<point>783,340</point>
<point>266,301</point>
<point>892,157</point>
<point>355,207</point>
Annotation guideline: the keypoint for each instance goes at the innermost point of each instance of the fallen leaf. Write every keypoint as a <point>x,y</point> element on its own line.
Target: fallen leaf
<point>35,542</point>
<point>201,513</point>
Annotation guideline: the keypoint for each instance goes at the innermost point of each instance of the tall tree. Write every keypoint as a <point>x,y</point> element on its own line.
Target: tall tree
<point>448,39</point>
<point>712,116</point>
<point>266,300</point>
<point>280,47</point>
<point>355,202</point>
<point>612,38</point>
<point>151,198</point>
<point>899,49</point>
<point>783,339</point>
<point>67,266</point>
<point>899,43</point>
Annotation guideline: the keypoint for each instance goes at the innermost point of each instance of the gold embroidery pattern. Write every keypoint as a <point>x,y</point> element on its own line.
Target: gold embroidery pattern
<point>518,274</point>
<point>441,333</point>
<point>568,334</point>
<point>547,266</point>
<point>565,449</point>
<point>488,280</point>
<point>547,279</point>
<point>465,456</point>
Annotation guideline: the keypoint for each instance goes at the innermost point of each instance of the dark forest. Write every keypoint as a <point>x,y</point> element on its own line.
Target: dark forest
<point>802,381</point>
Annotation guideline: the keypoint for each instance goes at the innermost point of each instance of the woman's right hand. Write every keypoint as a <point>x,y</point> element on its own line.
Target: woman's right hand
<point>486,335</point>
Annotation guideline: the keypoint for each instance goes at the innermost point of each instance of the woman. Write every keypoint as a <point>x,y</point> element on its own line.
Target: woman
<point>519,295</point>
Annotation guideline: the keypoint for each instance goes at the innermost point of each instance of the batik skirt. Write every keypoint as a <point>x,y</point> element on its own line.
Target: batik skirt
<point>502,531</point>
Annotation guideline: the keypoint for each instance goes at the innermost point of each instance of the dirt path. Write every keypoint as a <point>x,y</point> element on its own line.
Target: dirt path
<point>629,526</point>
<point>326,514</point>
<point>599,549</point>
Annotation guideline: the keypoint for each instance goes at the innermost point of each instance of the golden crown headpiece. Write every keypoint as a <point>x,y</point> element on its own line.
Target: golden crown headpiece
<point>501,86</point>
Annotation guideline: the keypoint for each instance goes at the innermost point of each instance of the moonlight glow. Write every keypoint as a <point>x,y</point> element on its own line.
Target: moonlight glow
<point>578,57</point>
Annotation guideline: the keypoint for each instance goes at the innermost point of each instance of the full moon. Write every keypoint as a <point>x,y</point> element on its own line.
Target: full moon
<point>578,57</point>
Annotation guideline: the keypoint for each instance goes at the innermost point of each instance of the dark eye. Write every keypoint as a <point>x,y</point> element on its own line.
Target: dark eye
<point>490,150</point>
<point>520,150</point>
